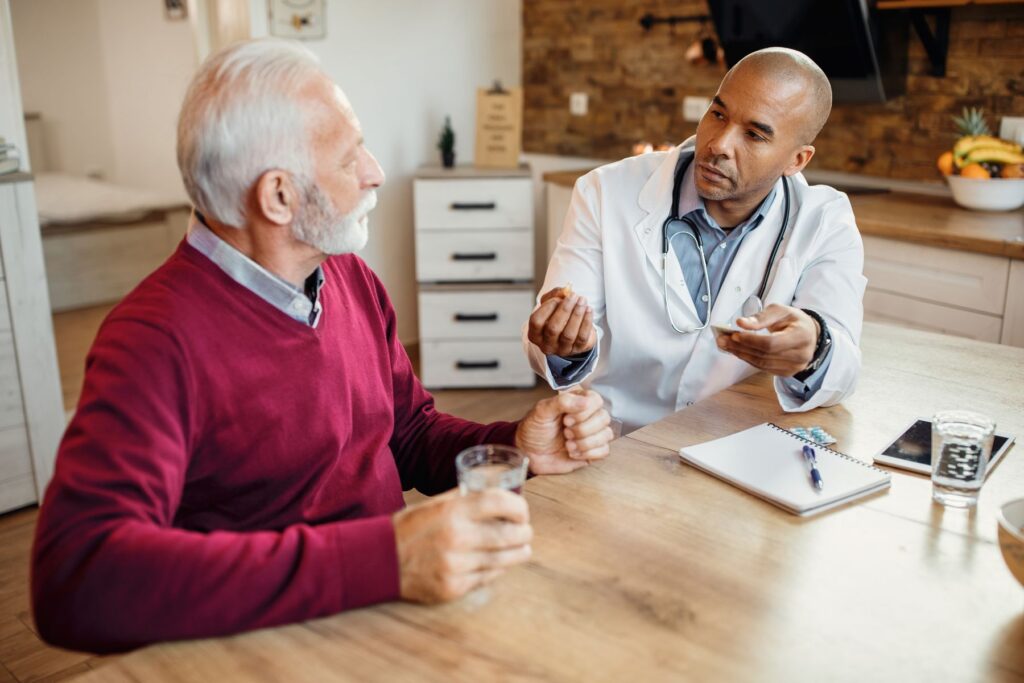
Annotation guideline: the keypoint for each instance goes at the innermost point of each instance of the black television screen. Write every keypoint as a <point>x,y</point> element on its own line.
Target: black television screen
<point>862,51</point>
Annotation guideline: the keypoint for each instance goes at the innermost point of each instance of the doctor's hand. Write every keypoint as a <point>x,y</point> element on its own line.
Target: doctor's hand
<point>562,326</point>
<point>787,350</point>
<point>565,432</point>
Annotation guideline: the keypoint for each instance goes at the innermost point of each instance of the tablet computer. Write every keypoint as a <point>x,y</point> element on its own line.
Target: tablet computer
<point>912,450</point>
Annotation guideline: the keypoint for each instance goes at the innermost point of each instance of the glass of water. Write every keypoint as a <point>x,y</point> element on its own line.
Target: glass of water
<point>491,466</point>
<point>961,445</point>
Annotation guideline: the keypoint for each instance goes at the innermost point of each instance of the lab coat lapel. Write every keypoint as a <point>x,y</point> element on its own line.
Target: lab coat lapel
<point>656,199</point>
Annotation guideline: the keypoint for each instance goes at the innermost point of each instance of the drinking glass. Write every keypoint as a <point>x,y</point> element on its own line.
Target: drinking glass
<point>961,445</point>
<point>491,466</point>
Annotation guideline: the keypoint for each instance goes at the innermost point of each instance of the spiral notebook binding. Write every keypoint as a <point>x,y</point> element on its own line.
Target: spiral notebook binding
<point>818,446</point>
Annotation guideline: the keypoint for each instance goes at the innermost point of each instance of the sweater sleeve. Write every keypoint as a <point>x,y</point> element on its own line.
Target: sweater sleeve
<point>425,442</point>
<point>110,571</point>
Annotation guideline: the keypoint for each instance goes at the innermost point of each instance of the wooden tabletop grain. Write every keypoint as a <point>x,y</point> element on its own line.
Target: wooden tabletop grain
<point>646,569</point>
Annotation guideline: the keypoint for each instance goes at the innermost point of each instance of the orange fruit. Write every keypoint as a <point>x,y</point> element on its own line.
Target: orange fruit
<point>945,163</point>
<point>1012,171</point>
<point>974,171</point>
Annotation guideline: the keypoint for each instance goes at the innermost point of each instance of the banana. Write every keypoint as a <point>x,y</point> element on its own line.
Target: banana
<point>996,155</point>
<point>965,145</point>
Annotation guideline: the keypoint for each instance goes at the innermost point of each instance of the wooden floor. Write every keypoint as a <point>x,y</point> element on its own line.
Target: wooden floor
<point>23,656</point>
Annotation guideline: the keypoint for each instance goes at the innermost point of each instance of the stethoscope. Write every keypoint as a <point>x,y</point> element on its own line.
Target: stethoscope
<point>753,304</point>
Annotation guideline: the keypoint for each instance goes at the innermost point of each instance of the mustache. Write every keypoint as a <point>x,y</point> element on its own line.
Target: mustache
<point>367,203</point>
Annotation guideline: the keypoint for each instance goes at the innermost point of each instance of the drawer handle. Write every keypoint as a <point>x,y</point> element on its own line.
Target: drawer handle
<point>475,317</point>
<point>482,256</point>
<point>474,206</point>
<point>477,365</point>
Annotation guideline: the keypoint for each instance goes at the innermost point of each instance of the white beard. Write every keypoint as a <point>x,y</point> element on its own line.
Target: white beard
<point>324,228</point>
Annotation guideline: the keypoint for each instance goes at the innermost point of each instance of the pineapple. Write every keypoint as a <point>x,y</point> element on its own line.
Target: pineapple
<point>971,123</point>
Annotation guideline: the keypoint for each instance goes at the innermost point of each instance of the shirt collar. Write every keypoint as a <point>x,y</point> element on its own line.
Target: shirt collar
<point>282,295</point>
<point>691,204</point>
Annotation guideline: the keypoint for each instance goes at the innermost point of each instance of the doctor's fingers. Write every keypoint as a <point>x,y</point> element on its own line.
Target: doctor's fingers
<point>775,366</point>
<point>587,335</point>
<point>775,343</point>
<point>540,317</point>
<point>559,318</point>
<point>570,333</point>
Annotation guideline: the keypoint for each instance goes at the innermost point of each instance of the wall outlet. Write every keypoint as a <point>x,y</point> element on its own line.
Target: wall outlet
<point>694,108</point>
<point>578,103</point>
<point>1012,128</point>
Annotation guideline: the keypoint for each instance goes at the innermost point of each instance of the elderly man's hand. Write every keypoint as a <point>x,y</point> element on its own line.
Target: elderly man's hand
<point>565,432</point>
<point>787,350</point>
<point>562,325</point>
<point>451,544</point>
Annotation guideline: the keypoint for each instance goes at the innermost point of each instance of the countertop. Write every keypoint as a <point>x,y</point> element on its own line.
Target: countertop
<point>922,219</point>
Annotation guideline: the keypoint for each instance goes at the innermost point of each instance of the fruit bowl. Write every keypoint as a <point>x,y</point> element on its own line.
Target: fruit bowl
<point>1011,537</point>
<point>987,194</point>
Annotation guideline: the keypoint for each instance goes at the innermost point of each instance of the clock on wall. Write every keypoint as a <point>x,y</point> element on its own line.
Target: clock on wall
<point>297,18</point>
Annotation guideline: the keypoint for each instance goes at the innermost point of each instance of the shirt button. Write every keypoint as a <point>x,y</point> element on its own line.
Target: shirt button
<point>723,246</point>
<point>689,403</point>
<point>704,298</point>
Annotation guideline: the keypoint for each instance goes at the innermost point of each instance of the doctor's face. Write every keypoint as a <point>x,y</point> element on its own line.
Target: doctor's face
<point>750,136</point>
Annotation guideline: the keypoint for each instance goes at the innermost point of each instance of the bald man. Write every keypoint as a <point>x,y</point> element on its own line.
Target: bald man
<point>680,273</point>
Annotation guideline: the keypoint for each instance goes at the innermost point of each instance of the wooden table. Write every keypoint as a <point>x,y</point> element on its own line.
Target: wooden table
<point>646,569</point>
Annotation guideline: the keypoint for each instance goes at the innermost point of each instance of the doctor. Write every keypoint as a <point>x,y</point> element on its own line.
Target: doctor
<point>723,230</point>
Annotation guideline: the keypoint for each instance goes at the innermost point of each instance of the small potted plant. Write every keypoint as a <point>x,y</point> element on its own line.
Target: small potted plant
<point>446,143</point>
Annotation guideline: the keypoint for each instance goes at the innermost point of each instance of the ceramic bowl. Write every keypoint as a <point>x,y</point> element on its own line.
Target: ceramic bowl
<point>1011,537</point>
<point>987,194</point>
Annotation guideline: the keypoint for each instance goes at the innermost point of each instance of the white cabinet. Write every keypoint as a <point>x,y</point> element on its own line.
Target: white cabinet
<point>474,263</point>
<point>944,290</point>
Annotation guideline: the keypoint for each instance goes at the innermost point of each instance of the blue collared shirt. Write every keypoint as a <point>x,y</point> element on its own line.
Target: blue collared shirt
<point>302,306</point>
<point>720,249</point>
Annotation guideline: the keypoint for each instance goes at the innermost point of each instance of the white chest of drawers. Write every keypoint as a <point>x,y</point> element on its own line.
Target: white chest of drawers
<point>474,265</point>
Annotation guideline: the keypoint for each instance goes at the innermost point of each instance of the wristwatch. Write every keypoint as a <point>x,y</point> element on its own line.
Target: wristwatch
<point>820,349</point>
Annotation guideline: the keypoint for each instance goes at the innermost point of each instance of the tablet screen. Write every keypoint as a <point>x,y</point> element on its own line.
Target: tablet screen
<point>915,444</point>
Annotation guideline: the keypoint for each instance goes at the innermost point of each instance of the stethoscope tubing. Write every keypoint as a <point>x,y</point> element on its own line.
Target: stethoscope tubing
<point>694,235</point>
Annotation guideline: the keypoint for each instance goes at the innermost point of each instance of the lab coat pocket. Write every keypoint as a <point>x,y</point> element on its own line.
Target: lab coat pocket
<point>782,287</point>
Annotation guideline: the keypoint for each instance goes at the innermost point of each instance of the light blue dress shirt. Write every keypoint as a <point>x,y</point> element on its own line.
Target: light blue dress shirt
<point>720,249</point>
<point>302,306</point>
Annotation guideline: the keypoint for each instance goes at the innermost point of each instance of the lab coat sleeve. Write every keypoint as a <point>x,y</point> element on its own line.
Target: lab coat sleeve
<point>832,284</point>
<point>577,259</point>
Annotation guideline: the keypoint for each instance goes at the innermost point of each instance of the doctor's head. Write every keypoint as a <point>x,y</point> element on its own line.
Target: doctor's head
<point>267,142</point>
<point>761,124</point>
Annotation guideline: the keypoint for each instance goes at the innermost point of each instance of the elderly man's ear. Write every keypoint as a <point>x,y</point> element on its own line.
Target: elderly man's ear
<point>277,198</point>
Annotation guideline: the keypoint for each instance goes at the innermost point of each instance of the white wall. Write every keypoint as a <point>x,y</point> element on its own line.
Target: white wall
<point>108,76</point>
<point>405,64</point>
<point>60,67</point>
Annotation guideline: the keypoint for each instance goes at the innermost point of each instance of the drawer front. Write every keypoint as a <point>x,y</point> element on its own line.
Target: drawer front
<point>474,315</point>
<point>11,410</point>
<point>475,364</point>
<point>17,487</point>
<point>944,276</point>
<point>491,203</point>
<point>474,255</point>
<point>921,315</point>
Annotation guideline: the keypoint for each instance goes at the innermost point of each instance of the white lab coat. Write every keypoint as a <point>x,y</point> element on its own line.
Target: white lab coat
<point>610,250</point>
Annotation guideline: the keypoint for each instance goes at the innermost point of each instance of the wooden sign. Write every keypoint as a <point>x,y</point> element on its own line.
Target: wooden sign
<point>499,127</point>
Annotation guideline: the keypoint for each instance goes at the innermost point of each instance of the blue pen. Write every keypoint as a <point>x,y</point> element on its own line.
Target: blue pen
<point>812,460</point>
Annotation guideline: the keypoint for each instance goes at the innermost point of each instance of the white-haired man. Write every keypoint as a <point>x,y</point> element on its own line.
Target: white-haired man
<point>249,419</point>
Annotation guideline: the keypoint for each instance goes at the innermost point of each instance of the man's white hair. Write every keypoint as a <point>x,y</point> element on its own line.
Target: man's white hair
<point>241,118</point>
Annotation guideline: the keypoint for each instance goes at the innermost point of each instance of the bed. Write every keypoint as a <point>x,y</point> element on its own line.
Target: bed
<point>99,238</point>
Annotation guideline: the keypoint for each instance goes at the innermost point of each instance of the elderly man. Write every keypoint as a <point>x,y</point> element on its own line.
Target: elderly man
<point>249,419</point>
<point>692,269</point>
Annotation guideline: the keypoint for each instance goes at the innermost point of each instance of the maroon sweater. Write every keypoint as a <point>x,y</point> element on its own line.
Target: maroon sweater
<point>229,468</point>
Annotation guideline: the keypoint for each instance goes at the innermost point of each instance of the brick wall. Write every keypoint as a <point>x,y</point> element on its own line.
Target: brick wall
<point>636,82</point>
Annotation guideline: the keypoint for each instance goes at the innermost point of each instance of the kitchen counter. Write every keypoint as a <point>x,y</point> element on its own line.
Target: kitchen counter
<point>922,219</point>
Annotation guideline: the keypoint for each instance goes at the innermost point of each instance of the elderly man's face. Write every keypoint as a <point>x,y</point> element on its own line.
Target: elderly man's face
<point>333,216</point>
<point>749,135</point>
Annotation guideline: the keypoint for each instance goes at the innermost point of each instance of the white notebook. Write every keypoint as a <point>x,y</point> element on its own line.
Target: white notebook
<point>768,461</point>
